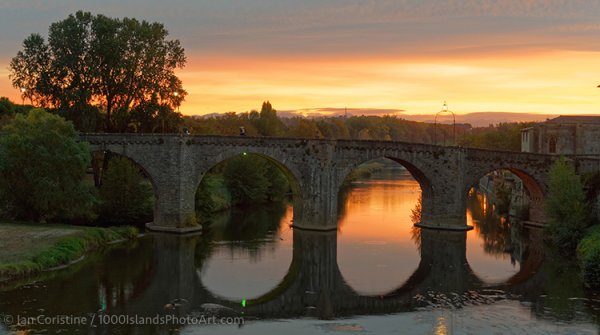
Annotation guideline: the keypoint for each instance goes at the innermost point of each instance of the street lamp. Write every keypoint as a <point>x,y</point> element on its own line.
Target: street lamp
<point>176,94</point>
<point>444,111</point>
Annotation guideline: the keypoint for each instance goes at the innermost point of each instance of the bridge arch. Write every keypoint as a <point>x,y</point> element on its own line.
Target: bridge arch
<point>289,170</point>
<point>145,207</point>
<point>136,161</point>
<point>355,218</point>
<point>427,189</point>
<point>416,172</point>
<point>291,173</point>
<point>532,184</point>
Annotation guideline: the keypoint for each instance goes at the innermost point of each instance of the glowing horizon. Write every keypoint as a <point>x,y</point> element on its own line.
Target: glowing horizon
<point>416,86</point>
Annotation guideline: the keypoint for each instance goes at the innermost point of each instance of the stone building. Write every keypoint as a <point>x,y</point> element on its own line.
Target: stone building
<point>564,135</point>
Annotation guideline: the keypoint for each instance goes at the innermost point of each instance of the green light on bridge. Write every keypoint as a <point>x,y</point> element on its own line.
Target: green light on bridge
<point>244,300</point>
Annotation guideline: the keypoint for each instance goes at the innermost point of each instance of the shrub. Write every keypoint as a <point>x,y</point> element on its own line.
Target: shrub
<point>588,253</point>
<point>213,195</point>
<point>566,207</point>
<point>242,180</point>
<point>125,196</point>
<point>42,165</point>
<point>246,180</point>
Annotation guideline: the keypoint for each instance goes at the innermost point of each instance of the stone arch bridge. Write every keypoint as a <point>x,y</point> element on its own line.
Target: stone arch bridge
<point>317,168</point>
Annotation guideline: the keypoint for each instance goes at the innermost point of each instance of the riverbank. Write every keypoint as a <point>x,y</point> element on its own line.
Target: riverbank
<point>28,248</point>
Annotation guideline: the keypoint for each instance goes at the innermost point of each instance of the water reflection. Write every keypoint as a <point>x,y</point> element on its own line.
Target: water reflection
<point>501,240</point>
<point>282,273</point>
<point>161,280</point>
<point>376,250</point>
<point>251,251</point>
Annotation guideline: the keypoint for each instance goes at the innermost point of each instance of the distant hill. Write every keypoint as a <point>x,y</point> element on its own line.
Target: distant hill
<point>479,119</point>
<point>484,119</point>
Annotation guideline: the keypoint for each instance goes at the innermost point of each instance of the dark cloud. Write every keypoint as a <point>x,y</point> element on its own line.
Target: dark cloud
<point>290,27</point>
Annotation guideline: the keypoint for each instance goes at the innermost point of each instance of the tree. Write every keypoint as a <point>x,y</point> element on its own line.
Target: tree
<point>268,124</point>
<point>152,117</point>
<point>93,60</point>
<point>305,128</point>
<point>566,206</point>
<point>7,110</point>
<point>125,196</point>
<point>504,136</point>
<point>246,180</point>
<point>42,164</point>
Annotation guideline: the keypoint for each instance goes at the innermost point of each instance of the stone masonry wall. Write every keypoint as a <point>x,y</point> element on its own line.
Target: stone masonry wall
<point>317,168</point>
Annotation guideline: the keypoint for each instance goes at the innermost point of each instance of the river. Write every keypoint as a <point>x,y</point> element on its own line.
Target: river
<point>251,273</point>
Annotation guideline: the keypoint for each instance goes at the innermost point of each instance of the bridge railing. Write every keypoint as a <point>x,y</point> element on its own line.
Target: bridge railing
<point>336,142</point>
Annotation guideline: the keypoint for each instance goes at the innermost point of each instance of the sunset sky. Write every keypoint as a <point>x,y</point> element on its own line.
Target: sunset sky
<point>408,56</point>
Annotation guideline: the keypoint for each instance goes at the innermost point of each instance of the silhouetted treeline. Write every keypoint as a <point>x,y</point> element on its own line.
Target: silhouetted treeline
<point>266,122</point>
<point>504,136</point>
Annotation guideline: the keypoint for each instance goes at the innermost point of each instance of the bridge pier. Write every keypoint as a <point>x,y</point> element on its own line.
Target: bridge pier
<point>174,215</point>
<point>175,208</point>
<point>444,222</point>
<point>444,209</point>
<point>316,208</point>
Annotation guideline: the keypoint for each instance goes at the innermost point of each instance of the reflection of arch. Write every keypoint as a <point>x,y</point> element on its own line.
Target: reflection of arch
<point>552,144</point>
<point>306,267</point>
<point>534,259</point>
<point>410,284</point>
<point>288,280</point>
<point>313,280</point>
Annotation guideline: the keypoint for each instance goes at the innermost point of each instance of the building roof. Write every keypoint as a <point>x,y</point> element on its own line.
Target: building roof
<point>576,119</point>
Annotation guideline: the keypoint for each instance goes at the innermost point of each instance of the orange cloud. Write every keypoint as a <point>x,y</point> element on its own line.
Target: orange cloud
<point>561,82</point>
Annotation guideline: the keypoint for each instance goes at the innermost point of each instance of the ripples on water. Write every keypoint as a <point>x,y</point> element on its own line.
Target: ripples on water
<point>377,271</point>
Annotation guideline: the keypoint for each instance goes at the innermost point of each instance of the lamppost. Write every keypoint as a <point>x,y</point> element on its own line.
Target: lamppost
<point>443,111</point>
<point>176,94</point>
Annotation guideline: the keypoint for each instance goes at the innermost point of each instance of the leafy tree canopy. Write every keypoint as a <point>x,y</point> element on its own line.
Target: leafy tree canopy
<point>41,169</point>
<point>125,196</point>
<point>267,122</point>
<point>566,206</point>
<point>113,64</point>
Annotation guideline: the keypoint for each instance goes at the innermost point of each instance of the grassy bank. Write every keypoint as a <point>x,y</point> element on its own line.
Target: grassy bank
<point>27,248</point>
